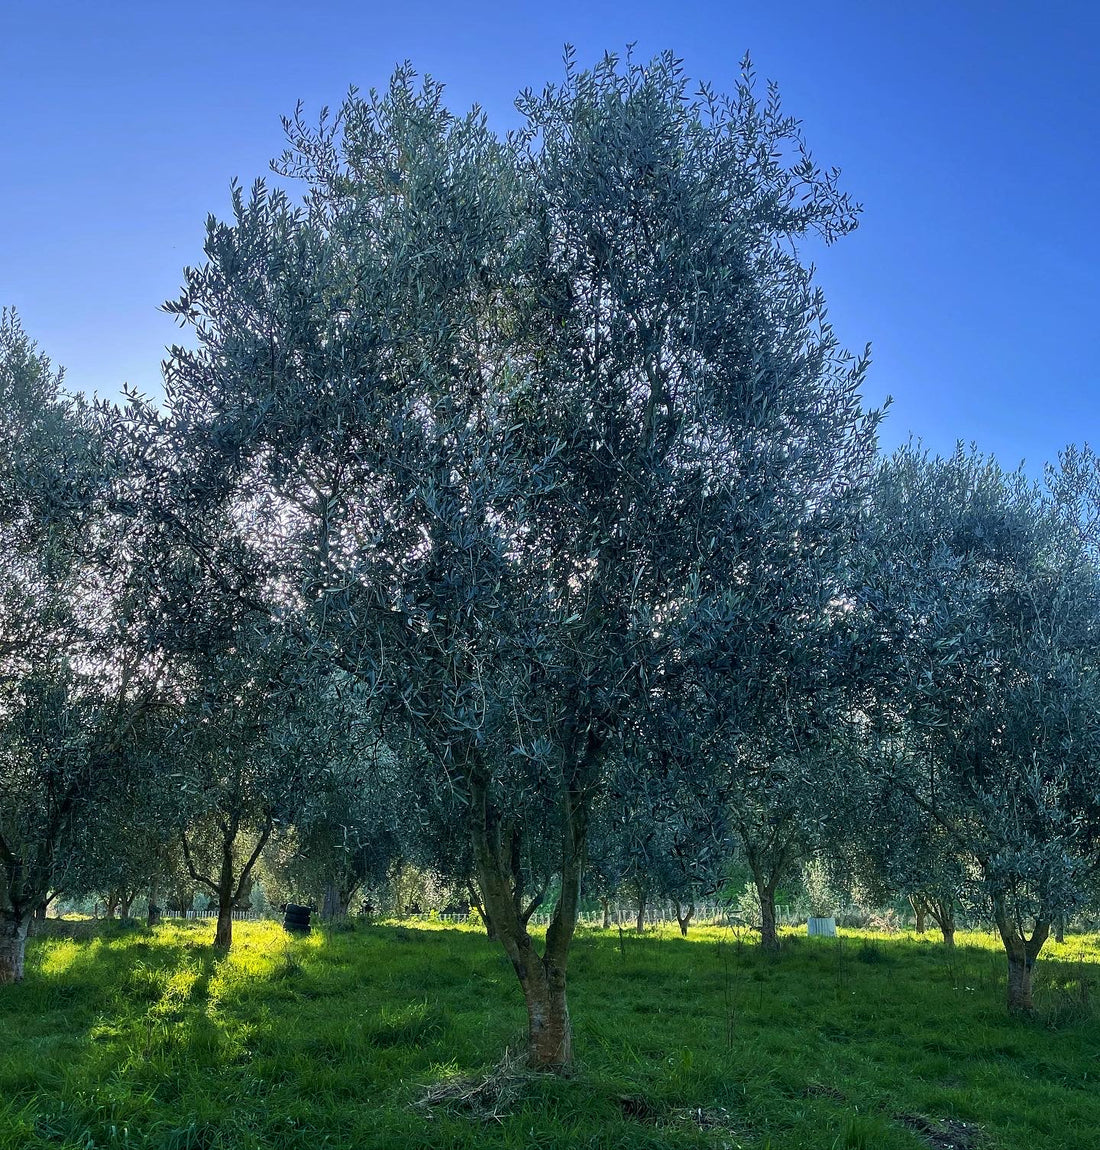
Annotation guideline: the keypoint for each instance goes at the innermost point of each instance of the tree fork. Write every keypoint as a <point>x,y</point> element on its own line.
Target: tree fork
<point>542,978</point>
<point>1021,951</point>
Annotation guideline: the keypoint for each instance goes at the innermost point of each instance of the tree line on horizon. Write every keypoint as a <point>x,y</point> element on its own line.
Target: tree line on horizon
<point>514,511</point>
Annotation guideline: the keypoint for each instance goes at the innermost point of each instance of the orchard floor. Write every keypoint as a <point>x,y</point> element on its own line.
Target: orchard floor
<point>138,1039</point>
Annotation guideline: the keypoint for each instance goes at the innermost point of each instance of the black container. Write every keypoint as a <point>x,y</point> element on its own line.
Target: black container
<point>296,918</point>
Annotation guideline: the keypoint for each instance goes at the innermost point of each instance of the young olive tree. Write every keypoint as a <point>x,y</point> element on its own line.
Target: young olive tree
<point>531,420</point>
<point>246,745</point>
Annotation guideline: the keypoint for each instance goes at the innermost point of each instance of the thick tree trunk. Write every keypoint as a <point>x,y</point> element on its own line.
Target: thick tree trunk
<point>153,913</point>
<point>124,905</point>
<point>948,930</point>
<point>542,977</point>
<point>338,895</point>
<point>223,934</point>
<point>550,1032</point>
<point>112,903</point>
<point>769,934</point>
<point>330,903</point>
<point>606,904</point>
<point>1019,984</point>
<point>1022,951</point>
<point>1060,930</point>
<point>13,944</point>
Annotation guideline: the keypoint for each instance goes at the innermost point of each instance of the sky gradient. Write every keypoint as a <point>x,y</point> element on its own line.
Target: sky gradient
<point>969,131</point>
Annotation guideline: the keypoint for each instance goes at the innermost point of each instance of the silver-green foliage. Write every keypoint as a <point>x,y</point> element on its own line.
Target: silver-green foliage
<point>538,429</point>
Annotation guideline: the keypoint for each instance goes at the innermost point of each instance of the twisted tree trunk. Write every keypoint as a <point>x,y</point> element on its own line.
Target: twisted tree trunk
<point>542,977</point>
<point>943,911</point>
<point>1021,950</point>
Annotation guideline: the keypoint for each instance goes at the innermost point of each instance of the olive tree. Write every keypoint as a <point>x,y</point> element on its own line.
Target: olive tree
<point>75,674</point>
<point>355,815</point>
<point>246,746</point>
<point>530,420</point>
<point>984,599</point>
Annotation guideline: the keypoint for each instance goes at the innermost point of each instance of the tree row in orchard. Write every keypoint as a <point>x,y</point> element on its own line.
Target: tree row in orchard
<point>512,509</point>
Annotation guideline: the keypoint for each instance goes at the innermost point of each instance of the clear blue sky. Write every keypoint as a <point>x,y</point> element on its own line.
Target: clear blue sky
<point>969,130</point>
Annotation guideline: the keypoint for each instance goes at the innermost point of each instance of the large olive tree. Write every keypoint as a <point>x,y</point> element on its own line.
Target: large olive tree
<point>529,420</point>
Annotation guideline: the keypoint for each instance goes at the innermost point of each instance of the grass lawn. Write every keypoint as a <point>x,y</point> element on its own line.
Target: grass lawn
<point>139,1038</point>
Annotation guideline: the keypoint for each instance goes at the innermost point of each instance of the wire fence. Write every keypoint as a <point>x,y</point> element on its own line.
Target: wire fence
<point>655,914</point>
<point>238,915</point>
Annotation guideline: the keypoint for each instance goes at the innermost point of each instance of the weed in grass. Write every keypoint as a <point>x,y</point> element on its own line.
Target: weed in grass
<point>288,965</point>
<point>729,1000</point>
<point>842,977</point>
<point>863,1133</point>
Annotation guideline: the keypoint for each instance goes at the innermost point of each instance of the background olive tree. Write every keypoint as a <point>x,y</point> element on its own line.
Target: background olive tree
<point>76,671</point>
<point>987,607</point>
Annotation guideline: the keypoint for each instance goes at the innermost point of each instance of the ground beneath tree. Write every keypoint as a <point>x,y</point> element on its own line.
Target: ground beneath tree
<point>395,1036</point>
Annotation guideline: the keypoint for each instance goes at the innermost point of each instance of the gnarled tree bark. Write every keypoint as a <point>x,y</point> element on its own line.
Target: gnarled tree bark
<point>542,977</point>
<point>1022,950</point>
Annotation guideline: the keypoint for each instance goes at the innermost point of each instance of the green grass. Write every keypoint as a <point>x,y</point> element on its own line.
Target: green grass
<point>138,1039</point>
